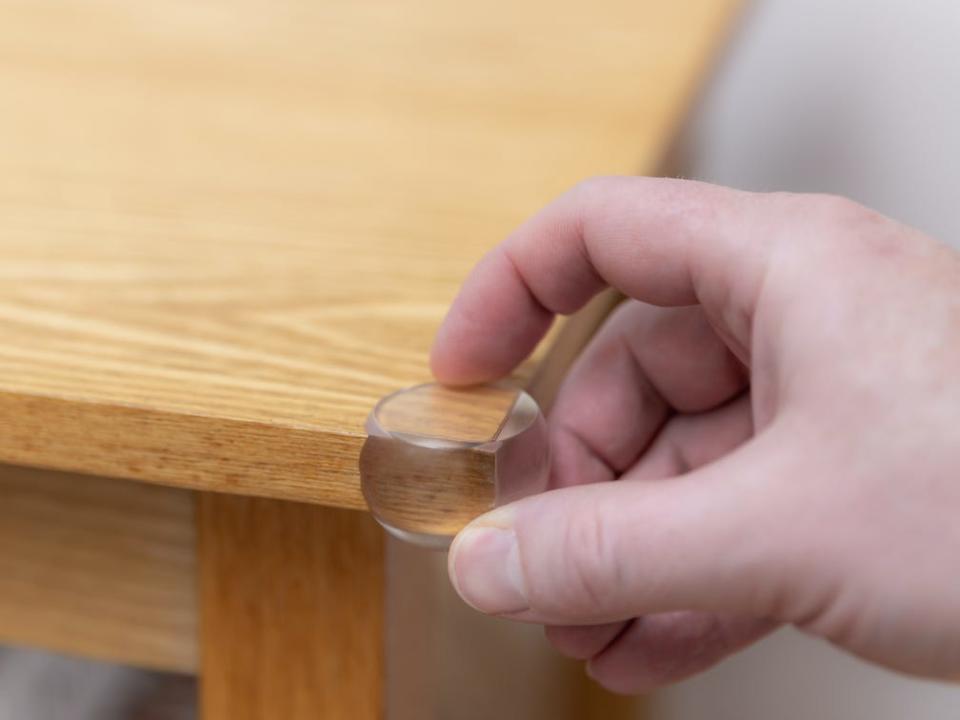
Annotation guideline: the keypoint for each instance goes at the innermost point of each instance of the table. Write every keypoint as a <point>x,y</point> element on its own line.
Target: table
<point>227,229</point>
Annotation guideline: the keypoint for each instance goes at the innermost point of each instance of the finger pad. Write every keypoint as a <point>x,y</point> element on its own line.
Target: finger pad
<point>661,649</point>
<point>582,642</point>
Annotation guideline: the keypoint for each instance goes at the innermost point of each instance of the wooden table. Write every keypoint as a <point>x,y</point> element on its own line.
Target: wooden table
<point>227,229</point>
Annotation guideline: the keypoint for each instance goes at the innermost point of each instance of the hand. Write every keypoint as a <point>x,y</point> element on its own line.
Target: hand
<point>767,432</point>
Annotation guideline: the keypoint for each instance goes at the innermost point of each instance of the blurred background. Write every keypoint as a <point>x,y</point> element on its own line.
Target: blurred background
<point>854,97</point>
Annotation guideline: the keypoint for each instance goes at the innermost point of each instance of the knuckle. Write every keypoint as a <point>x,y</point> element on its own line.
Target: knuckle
<point>593,194</point>
<point>819,208</point>
<point>856,230</point>
<point>588,551</point>
<point>837,216</point>
<point>593,186</point>
<point>620,677</point>
<point>822,225</point>
<point>575,641</point>
<point>837,208</point>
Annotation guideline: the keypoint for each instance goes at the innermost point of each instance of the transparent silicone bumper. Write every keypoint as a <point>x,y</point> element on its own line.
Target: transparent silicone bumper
<point>436,457</point>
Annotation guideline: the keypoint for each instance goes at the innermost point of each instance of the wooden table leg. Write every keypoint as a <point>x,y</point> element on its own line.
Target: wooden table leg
<point>291,610</point>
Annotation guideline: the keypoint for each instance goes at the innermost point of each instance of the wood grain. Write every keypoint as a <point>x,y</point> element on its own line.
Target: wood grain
<point>465,415</point>
<point>227,229</point>
<point>424,490</point>
<point>291,610</point>
<point>250,458</point>
<point>99,568</point>
<point>106,569</point>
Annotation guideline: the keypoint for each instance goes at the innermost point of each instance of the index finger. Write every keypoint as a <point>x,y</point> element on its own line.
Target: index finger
<point>662,241</point>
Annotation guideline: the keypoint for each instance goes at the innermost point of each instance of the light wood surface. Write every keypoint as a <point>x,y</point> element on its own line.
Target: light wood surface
<point>464,415</point>
<point>422,490</point>
<point>291,611</point>
<point>97,567</point>
<point>428,466</point>
<point>228,228</point>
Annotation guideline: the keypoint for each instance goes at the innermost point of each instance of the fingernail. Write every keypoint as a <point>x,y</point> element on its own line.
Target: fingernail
<point>485,570</point>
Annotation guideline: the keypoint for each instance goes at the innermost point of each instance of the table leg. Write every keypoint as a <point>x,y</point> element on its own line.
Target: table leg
<point>291,610</point>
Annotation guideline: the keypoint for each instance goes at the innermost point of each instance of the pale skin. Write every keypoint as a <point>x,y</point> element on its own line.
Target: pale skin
<point>766,432</point>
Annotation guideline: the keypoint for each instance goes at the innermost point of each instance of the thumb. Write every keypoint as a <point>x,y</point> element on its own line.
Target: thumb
<point>715,539</point>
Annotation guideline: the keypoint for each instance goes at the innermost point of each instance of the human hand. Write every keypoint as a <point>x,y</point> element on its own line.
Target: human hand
<point>767,433</point>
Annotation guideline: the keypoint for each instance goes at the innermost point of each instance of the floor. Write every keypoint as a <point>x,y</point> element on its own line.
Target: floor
<point>36,685</point>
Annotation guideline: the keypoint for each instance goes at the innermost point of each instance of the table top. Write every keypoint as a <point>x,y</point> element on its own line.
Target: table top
<point>227,229</point>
